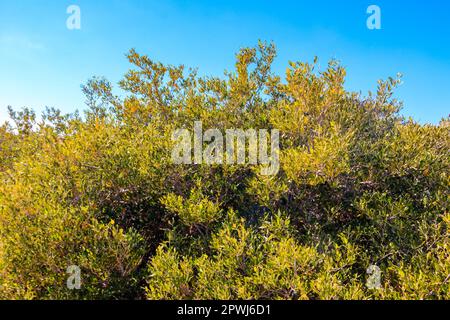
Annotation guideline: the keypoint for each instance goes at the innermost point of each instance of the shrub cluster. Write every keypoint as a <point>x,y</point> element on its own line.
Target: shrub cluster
<point>358,186</point>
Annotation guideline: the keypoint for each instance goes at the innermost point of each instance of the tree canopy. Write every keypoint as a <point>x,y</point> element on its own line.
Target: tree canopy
<point>359,186</point>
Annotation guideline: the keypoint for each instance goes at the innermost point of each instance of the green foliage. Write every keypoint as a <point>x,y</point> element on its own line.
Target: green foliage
<point>196,210</point>
<point>358,186</point>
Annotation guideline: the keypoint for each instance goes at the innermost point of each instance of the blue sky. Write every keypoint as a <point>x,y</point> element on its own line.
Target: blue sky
<point>42,63</point>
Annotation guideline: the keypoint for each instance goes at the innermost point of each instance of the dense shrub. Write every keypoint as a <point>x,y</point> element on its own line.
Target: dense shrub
<point>358,186</point>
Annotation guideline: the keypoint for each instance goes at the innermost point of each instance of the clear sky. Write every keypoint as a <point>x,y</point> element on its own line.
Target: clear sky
<point>42,63</point>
